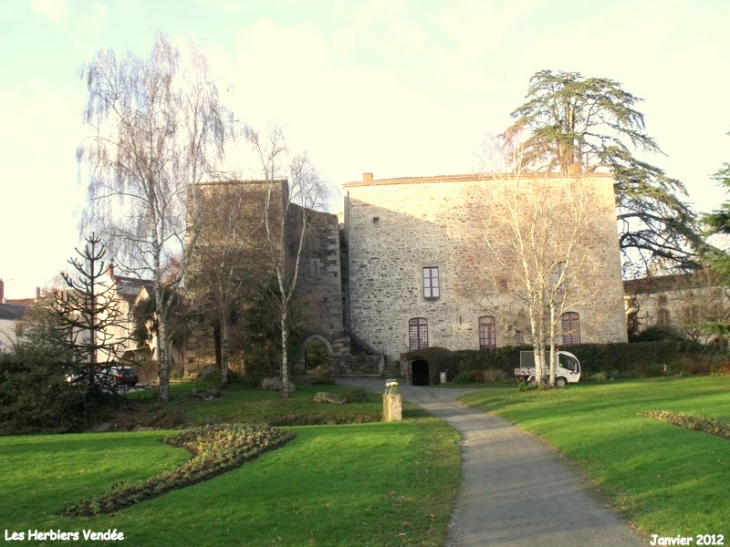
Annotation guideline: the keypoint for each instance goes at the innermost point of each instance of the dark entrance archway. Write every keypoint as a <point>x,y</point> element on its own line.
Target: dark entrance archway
<point>419,373</point>
<point>303,363</point>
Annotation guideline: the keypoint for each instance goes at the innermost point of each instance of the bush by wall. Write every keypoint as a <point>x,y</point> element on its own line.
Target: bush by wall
<point>623,360</point>
<point>641,359</point>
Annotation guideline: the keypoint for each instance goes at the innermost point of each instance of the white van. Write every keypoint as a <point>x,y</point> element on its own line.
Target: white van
<point>566,372</point>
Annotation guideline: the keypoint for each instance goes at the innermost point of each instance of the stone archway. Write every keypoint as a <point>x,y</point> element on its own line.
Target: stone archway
<point>310,340</point>
<point>419,373</point>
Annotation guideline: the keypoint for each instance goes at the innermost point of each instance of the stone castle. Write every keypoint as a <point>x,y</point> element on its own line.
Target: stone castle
<point>432,261</point>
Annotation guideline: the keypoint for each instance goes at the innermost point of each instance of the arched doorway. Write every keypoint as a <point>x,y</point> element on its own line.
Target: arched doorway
<point>316,354</point>
<point>419,373</point>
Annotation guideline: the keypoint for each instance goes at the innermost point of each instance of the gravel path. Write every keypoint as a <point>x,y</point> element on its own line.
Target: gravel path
<point>515,491</point>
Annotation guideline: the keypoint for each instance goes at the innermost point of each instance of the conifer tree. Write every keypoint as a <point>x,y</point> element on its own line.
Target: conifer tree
<point>87,311</point>
<point>573,125</point>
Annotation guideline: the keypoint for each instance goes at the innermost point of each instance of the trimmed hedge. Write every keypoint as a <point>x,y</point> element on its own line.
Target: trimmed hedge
<point>623,360</point>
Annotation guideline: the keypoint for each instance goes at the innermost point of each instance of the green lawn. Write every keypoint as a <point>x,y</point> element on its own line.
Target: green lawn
<point>254,406</point>
<point>665,479</point>
<point>376,484</point>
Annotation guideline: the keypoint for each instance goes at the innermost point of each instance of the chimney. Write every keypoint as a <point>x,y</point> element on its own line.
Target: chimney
<point>2,291</point>
<point>37,293</point>
<point>367,177</point>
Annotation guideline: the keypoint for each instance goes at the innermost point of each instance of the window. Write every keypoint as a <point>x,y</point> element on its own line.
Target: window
<point>376,221</point>
<point>519,338</point>
<point>417,333</point>
<point>663,318</point>
<point>431,283</point>
<point>487,332</point>
<point>571,328</point>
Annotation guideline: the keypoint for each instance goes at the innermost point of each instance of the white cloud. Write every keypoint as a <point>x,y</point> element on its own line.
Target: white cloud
<point>350,118</point>
<point>53,10</point>
<point>475,30</point>
<point>39,133</point>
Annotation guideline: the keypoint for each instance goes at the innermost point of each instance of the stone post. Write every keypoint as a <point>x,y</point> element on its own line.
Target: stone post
<point>392,407</point>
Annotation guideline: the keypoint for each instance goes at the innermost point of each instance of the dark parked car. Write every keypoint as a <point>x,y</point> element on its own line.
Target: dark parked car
<point>117,376</point>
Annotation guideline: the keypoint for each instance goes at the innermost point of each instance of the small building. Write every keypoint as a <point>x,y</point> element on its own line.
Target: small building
<point>12,316</point>
<point>680,303</point>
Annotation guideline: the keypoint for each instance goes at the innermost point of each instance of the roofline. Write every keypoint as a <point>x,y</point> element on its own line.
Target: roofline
<point>235,182</point>
<point>474,177</point>
<point>663,283</point>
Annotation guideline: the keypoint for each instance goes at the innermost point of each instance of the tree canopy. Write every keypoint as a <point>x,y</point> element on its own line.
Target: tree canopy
<point>718,223</point>
<point>572,124</point>
<point>157,126</point>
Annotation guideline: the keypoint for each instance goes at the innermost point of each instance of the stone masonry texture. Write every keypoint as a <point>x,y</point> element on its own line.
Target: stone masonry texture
<point>469,228</point>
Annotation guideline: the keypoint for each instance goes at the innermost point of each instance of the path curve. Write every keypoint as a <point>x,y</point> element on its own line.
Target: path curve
<point>516,491</point>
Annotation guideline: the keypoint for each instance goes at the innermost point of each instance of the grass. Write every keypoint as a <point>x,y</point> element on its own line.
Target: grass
<point>374,484</point>
<point>665,479</point>
<point>242,405</point>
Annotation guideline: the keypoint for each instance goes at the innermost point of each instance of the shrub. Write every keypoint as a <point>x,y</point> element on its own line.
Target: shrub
<point>252,380</point>
<point>355,395</point>
<point>596,377</point>
<point>494,375</point>
<point>720,366</point>
<point>35,398</point>
<point>657,333</point>
<point>463,377</point>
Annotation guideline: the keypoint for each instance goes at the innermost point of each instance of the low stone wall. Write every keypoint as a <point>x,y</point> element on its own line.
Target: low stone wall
<point>361,364</point>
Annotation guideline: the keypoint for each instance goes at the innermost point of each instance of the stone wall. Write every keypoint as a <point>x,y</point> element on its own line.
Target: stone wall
<point>319,290</point>
<point>232,232</point>
<point>465,227</point>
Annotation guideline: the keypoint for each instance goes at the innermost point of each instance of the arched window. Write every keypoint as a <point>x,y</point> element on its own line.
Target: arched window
<point>571,328</point>
<point>417,333</point>
<point>487,332</point>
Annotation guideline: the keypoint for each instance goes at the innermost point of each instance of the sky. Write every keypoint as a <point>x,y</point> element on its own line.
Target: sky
<point>394,87</point>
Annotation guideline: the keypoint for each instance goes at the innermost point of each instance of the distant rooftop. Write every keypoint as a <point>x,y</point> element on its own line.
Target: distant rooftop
<point>12,312</point>
<point>368,179</point>
<point>661,283</point>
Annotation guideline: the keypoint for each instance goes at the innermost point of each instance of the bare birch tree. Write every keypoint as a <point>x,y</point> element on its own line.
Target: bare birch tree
<point>157,126</point>
<point>538,243</point>
<point>294,190</point>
